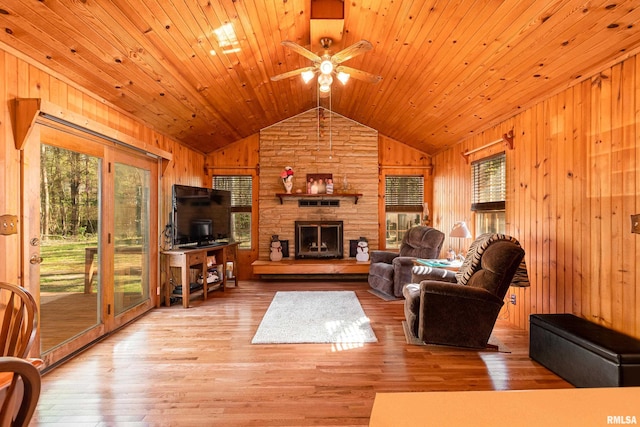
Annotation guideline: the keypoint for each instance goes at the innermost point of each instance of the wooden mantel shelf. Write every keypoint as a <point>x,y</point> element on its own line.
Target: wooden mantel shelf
<point>283,196</point>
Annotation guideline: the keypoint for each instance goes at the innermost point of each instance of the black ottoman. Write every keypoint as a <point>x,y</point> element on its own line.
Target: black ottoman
<point>584,353</point>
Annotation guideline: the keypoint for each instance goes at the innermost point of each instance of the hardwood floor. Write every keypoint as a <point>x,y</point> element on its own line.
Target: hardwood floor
<point>196,367</point>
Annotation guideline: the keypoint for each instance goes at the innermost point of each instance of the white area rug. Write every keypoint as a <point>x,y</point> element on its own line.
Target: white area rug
<point>314,317</point>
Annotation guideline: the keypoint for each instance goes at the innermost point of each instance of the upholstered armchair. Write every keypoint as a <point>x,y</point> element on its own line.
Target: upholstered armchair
<point>390,271</point>
<point>461,308</point>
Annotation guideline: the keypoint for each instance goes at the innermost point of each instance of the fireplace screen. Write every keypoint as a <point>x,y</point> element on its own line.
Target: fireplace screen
<point>319,239</point>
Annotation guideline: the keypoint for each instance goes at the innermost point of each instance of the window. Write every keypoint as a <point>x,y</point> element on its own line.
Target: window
<point>241,198</point>
<point>404,196</point>
<point>489,194</point>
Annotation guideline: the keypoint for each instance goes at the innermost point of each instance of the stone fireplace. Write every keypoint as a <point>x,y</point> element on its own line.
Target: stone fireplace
<point>318,239</point>
<point>348,151</point>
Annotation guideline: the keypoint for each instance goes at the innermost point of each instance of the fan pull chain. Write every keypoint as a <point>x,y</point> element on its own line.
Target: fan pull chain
<point>318,117</point>
<point>330,126</point>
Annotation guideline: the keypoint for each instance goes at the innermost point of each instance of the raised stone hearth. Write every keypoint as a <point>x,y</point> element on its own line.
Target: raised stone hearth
<point>291,267</point>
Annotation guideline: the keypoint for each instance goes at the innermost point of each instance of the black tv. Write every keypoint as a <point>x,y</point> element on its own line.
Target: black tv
<point>201,216</point>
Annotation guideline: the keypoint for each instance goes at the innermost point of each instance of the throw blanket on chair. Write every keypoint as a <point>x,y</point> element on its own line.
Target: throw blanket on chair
<point>471,262</point>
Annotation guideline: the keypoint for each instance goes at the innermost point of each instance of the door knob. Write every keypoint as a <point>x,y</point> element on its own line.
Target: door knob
<point>35,259</point>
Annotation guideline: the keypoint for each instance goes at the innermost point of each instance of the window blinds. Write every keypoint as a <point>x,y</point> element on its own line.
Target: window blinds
<point>240,187</point>
<point>404,193</point>
<point>489,183</point>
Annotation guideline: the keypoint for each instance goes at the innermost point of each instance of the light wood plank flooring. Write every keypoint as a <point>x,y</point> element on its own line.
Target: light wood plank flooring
<point>196,367</point>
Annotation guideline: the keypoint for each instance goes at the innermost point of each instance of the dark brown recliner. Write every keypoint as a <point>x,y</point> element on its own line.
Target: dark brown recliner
<point>390,271</point>
<point>460,309</point>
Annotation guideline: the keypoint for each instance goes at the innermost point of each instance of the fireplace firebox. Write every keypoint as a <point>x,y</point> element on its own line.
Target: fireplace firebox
<point>318,239</point>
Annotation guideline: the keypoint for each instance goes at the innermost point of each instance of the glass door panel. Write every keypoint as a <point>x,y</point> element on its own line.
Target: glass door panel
<point>131,236</point>
<point>95,231</point>
<point>69,238</point>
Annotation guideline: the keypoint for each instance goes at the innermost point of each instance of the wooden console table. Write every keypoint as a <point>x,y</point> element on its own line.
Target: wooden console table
<point>196,258</point>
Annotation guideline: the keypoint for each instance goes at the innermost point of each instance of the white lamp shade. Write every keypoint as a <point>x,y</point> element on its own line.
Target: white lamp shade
<point>326,67</point>
<point>343,77</point>
<point>307,76</point>
<point>325,80</point>
<point>460,230</point>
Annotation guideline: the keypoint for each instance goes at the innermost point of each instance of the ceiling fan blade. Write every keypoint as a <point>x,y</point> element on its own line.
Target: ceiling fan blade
<point>292,73</point>
<point>349,52</point>
<point>300,50</point>
<point>359,74</point>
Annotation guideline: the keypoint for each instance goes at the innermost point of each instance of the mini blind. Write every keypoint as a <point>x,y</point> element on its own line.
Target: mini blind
<point>240,187</point>
<point>404,193</point>
<point>489,183</point>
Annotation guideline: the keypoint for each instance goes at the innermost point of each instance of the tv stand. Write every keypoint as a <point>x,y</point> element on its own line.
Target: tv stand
<point>195,258</point>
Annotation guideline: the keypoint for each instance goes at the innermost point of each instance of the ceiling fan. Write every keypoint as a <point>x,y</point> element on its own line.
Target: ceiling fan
<point>328,65</point>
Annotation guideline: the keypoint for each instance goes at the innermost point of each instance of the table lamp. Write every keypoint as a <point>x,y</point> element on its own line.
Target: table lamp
<point>459,230</point>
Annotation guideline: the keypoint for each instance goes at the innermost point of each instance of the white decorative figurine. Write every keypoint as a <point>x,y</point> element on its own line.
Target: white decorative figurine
<point>276,251</point>
<point>362,251</point>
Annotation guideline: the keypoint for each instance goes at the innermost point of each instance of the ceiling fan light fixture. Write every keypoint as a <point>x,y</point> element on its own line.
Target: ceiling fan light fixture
<point>307,75</point>
<point>343,77</point>
<point>325,80</point>
<point>326,67</point>
<point>325,88</point>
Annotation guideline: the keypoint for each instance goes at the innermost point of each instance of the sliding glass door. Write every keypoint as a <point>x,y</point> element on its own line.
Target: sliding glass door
<point>98,229</point>
<point>131,232</point>
<point>69,239</point>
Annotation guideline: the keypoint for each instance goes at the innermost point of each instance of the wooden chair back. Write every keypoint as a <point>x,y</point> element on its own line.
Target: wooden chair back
<point>18,320</point>
<point>20,393</point>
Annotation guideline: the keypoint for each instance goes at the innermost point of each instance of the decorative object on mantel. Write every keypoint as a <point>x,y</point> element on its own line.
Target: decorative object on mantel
<point>345,184</point>
<point>276,249</point>
<point>317,183</point>
<point>287,178</point>
<point>362,251</point>
<point>507,138</point>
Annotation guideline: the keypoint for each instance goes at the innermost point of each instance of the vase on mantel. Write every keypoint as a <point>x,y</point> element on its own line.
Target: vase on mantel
<point>288,184</point>
<point>287,179</point>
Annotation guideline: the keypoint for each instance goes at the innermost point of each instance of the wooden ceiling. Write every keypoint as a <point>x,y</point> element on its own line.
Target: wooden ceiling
<point>450,68</point>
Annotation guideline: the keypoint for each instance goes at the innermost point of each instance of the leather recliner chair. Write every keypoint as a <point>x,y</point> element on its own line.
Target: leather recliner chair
<point>461,308</point>
<point>390,271</point>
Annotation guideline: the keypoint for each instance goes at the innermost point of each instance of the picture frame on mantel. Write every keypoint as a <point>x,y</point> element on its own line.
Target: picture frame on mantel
<point>319,183</point>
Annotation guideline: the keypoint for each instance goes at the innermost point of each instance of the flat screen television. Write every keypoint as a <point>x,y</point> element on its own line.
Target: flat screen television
<point>201,216</point>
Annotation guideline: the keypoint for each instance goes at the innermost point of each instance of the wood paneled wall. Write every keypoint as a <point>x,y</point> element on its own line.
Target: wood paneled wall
<point>19,78</point>
<point>396,158</point>
<point>240,158</point>
<point>573,180</point>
